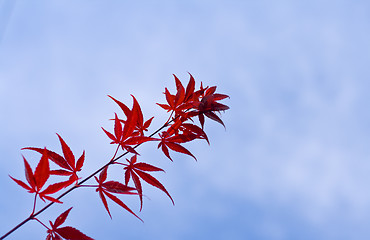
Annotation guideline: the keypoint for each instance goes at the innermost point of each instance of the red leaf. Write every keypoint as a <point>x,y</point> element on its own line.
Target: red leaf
<point>50,198</point>
<point>131,120</point>
<point>80,162</point>
<point>185,106</point>
<point>201,120</point>
<point>195,129</point>
<point>129,173</point>
<point>133,159</point>
<point>138,140</point>
<point>178,83</point>
<point>111,136</point>
<point>169,98</point>
<point>60,172</point>
<point>139,189</point>
<point>29,174</point>
<point>104,200</point>
<point>61,219</point>
<point>42,171</point>
<point>124,108</point>
<point>180,95</point>
<point>117,128</point>
<point>22,184</point>
<point>147,167</point>
<point>218,96</point>
<point>164,150</point>
<point>53,188</point>
<point>214,117</point>
<point>117,187</point>
<point>71,233</point>
<point>153,181</point>
<point>211,90</point>
<point>140,117</point>
<point>164,106</point>
<point>130,149</point>
<point>182,138</point>
<point>190,88</point>
<point>134,168</point>
<point>103,175</point>
<point>68,155</point>
<point>68,232</point>
<point>119,202</point>
<point>127,176</point>
<point>55,157</point>
<point>178,148</point>
<point>72,178</point>
<point>215,106</point>
<point>174,127</point>
<point>147,123</point>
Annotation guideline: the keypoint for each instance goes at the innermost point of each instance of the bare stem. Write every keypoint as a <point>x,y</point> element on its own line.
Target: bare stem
<point>87,186</point>
<point>16,227</point>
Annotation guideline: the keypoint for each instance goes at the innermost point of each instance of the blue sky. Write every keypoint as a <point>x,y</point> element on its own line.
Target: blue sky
<point>293,162</point>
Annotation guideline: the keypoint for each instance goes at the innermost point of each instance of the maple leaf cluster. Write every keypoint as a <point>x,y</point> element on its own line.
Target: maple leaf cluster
<point>58,233</point>
<point>185,107</point>
<point>40,176</point>
<point>42,173</point>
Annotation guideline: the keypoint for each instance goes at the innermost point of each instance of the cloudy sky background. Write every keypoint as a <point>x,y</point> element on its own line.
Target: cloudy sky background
<point>294,161</point>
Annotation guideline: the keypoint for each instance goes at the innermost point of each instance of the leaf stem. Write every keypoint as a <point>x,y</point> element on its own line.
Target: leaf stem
<point>41,223</point>
<point>34,205</point>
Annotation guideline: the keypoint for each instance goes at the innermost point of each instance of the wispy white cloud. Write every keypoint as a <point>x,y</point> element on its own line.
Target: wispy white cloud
<point>294,152</point>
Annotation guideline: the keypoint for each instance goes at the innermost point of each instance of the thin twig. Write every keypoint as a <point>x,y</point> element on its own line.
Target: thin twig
<point>34,205</point>
<point>41,223</point>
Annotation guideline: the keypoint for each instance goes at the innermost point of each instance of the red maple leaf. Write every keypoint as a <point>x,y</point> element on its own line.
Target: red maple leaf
<point>204,102</point>
<point>36,180</point>
<point>141,126</point>
<point>136,171</point>
<point>58,233</point>
<point>182,100</point>
<point>186,131</point>
<point>126,136</point>
<point>106,188</point>
<point>208,105</point>
<point>67,163</point>
<point>173,143</point>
